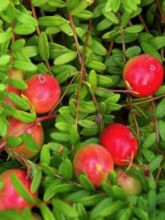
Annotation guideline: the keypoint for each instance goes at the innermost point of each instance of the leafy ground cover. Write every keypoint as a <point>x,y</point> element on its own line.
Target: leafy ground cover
<point>85,45</point>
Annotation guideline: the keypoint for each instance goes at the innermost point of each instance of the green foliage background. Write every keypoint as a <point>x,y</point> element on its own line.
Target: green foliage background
<point>85,44</point>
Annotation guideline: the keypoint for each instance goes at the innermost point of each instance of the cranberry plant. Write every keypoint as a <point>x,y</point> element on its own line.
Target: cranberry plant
<point>84,45</point>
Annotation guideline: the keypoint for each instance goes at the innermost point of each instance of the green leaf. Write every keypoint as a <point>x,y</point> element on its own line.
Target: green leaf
<point>113,5</point>
<point>65,58</point>
<point>132,51</point>
<point>66,209</point>
<point>19,84</point>
<point>149,48</point>
<point>18,101</point>
<point>29,142</point>
<point>134,28</point>
<point>13,141</point>
<point>53,189</point>
<point>59,136</point>
<point>66,169</point>
<point>24,66</point>
<point>92,78</point>
<point>85,15</point>
<point>36,181</point>
<point>150,140</point>
<point>57,3</point>
<point>160,198</point>
<point>99,208</point>
<point>126,214</point>
<point>111,16</point>
<point>114,191</point>
<point>104,80</point>
<point>113,208</point>
<point>79,7</point>
<point>152,200</point>
<point>162,129</point>
<point>5,36</point>
<point>158,42</point>
<point>82,212</point>
<point>21,189</point>
<point>43,46</point>
<point>3,125</point>
<point>77,196</point>
<point>51,21</point>
<point>24,29</point>
<point>92,200</point>
<point>4,59</point>
<point>4,4</point>
<point>141,214</point>
<point>160,113</point>
<point>85,182</point>
<point>46,212</point>
<point>155,164</point>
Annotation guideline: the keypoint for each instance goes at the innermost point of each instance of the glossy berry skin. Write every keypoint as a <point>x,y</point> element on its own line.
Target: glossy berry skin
<point>129,184</point>
<point>9,197</point>
<point>144,74</point>
<point>95,161</point>
<point>43,92</point>
<point>16,127</point>
<point>120,143</point>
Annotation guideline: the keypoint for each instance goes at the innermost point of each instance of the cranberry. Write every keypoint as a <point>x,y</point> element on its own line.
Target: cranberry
<point>15,128</point>
<point>9,197</point>
<point>120,143</point>
<point>143,74</point>
<point>129,184</point>
<point>95,161</point>
<point>43,92</point>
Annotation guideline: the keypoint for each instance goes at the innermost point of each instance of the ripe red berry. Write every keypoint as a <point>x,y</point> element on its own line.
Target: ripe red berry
<point>15,128</point>
<point>95,161</point>
<point>120,143</point>
<point>9,197</point>
<point>144,74</point>
<point>129,184</point>
<point>43,92</point>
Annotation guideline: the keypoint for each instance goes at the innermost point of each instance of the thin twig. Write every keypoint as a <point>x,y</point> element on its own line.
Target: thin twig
<point>155,122</point>
<point>64,93</point>
<point>144,102</point>
<point>160,11</point>
<point>143,22</point>
<point>75,37</point>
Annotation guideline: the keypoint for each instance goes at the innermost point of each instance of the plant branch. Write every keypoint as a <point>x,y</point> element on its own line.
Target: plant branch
<point>145,101</point>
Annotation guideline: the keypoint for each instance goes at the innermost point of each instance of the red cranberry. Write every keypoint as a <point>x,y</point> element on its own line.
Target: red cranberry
<point>15,128</point>
<point>43,92</point>
<point>9,197</point>
<point>95,161</point>
<point>120,143</point>
<point>144,74</point>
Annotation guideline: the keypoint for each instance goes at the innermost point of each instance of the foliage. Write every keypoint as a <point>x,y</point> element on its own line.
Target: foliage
<point>84,44</point>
